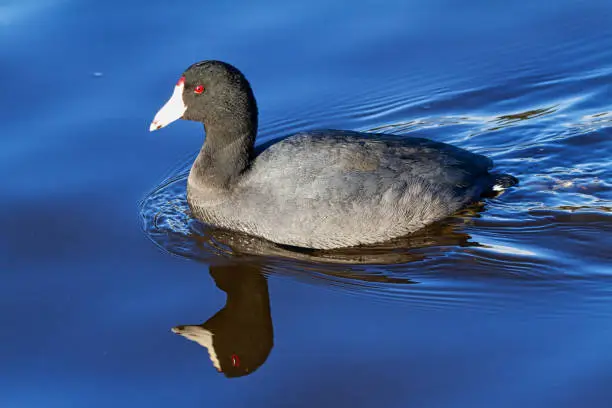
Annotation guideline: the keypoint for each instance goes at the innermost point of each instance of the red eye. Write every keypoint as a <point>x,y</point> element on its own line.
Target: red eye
<point>235,360</point>
<point>198,89</point>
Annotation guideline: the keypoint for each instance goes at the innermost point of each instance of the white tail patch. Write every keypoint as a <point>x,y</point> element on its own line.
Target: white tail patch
<point>498,187</point>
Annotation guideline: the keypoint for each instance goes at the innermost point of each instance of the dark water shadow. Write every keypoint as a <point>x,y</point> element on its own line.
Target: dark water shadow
<point>238,337</point>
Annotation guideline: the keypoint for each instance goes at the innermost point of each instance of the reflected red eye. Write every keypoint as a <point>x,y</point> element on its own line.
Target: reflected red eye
<point>198,89</point>
<point>235,360</point>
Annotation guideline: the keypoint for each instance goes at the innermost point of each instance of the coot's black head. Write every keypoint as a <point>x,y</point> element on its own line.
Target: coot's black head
<point>212,92</point>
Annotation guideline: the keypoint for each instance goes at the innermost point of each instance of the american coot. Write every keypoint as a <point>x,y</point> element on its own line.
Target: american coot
<point>317,189</point>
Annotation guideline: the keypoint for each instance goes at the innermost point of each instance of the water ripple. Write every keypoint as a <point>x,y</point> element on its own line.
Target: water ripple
<point>547,230</point>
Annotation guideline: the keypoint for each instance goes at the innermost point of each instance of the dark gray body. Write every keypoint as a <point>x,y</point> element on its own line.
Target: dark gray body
<point>330,189</point>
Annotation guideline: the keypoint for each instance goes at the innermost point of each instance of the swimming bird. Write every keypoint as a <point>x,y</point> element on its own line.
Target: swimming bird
<point>318,189</point>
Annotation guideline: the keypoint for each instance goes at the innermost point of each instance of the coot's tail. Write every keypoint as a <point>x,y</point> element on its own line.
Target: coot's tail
<point>503,181</point>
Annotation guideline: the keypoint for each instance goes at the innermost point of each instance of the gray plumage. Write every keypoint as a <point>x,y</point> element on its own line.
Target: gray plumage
<point>319,189</point>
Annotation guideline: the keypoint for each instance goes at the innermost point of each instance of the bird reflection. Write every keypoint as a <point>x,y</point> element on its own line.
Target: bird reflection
<point>238,337</point>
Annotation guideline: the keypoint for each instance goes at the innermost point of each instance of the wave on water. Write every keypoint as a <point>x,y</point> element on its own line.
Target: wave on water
<point>550,228</point>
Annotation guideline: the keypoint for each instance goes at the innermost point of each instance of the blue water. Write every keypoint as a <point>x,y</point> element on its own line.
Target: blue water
<point>506,304</point>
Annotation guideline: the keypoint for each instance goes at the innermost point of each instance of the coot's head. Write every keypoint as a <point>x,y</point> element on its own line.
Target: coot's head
<point>212,92</point>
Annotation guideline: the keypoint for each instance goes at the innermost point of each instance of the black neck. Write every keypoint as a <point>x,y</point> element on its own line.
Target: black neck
<point>227,150</point>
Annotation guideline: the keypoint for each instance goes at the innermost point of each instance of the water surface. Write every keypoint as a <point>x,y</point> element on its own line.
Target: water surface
<point>505,304</point>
